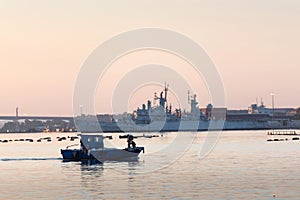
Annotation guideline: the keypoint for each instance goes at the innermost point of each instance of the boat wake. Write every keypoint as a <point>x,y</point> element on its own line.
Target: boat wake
<point>24,159</point>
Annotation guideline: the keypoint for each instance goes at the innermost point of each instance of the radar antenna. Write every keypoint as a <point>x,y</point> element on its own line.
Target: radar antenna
<point>166,90</point>
<point>155,98</point>
<point>261,102</point>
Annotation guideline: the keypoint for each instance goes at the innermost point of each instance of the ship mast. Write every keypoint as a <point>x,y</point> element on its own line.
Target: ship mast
<point>166,92</point>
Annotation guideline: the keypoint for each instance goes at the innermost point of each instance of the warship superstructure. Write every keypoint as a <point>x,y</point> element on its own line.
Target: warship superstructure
<point>161,117</point>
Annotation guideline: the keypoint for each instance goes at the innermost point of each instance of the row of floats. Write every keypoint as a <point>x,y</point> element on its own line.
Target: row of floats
<point>47,139</point>
<point>282,139</point>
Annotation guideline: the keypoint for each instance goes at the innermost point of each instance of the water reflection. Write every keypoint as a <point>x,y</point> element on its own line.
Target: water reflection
<point>90,172</point>
<point>90,162</point>
<point>91,179</point>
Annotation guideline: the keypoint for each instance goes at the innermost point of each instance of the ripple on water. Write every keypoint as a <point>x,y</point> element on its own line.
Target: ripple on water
<point>241,166</point>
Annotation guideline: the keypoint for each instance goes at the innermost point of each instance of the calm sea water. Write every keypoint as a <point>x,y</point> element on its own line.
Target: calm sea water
<point>242,165</point>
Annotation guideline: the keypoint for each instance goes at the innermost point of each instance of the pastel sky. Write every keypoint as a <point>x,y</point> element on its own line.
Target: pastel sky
<point>254,45</point>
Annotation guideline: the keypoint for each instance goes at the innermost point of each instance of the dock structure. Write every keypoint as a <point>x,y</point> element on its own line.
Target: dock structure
<point>283,132</point>
<point>13,118</point>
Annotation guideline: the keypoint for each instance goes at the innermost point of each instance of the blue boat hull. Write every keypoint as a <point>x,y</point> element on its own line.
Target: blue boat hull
<point>102,155</point>
<point>75,154</point>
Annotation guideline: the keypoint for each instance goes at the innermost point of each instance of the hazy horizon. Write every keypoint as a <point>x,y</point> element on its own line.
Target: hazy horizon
<point>254,45</point>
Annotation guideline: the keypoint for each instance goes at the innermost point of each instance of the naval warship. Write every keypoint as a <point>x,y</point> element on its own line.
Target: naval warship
<point>161,118</point>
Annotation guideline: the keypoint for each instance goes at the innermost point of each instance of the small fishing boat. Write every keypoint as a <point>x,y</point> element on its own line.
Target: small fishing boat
<point>92,148</point>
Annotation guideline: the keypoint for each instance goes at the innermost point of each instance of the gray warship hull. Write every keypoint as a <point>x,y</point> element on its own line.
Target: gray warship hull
<point>202,125</point>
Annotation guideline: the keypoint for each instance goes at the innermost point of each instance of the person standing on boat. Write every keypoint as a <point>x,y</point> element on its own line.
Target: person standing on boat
<point>131,142</point>
<point>83,147</point>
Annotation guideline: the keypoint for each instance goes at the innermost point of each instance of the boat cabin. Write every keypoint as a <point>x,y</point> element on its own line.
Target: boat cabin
<point>91,141</point>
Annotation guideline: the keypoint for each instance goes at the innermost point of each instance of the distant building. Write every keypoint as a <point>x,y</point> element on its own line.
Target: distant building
<point>105,118</point>
<point>237,112</point>
<point>278,112</point>
<point>212,113</point>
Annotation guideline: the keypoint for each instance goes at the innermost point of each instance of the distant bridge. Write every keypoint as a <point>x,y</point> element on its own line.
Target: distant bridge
<point>11,118</point>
